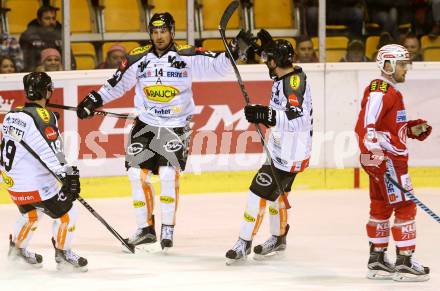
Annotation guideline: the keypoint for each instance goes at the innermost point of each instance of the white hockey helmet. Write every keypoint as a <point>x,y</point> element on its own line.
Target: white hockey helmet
<point>391,53</point>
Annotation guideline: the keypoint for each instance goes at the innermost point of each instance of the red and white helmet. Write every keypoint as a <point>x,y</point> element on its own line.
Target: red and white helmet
<point>391,53</point>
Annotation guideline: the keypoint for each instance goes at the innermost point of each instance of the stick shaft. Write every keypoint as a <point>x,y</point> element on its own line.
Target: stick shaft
<point>97,112</point>
<point>414,199</point>
<point>222,27</point>
<point>80,199</point>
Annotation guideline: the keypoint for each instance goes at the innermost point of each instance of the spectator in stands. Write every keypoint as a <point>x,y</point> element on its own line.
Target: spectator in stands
<point>115,55</point>
<point>7,65</point>
<point>426,17</point>
<point>305,53</point>
<point>50,61</point>
<point>388,14</point>
<point>385,38</point>
<point>435,31</point>
<point>338,12</point>
<point>355,52</point>
<point>41,33</point>
<point>9,47</point>
<point>412,44</point>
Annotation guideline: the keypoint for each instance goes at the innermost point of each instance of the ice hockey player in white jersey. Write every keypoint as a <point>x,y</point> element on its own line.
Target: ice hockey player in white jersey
<point>31,186</point>
<point>289,117</point>
<point>162,75</point>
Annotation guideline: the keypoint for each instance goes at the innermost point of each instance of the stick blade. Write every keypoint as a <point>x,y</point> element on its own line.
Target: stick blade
<point>227,14</point>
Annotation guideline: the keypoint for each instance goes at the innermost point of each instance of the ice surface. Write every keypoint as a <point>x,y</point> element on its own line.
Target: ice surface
<point>327,248</point>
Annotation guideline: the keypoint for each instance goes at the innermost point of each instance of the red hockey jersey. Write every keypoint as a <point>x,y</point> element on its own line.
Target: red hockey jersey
<point>383,111</point>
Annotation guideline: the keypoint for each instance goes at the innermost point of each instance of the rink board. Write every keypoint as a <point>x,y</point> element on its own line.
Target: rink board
<point>222,140</point>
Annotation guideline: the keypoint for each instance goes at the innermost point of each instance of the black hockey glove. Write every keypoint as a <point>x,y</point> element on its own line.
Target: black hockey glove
<point>265,39</point>
<point>260,114</point>
<point>241,44</point>
<point>86,108</point>
<point>71,186</point>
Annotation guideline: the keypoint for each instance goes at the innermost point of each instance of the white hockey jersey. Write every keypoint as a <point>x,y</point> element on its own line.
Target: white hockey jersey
<point>163,93</point>
<point>26,179</point>
<point>290,141</point>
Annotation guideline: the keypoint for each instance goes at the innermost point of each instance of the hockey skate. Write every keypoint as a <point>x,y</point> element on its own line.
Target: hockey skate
<point>21,254</point>
<point>379,268</point>
<point>408,269</point>
<point>145,235</point>
<point>166,237</point>
<point>67,260</point>
<point>239,251</point>
<point>273,246</point>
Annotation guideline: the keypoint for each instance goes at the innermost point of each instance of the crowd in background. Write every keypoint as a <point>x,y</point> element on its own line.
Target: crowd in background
<point>395,21</point>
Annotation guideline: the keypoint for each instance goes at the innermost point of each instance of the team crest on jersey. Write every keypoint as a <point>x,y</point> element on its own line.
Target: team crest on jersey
<point>401,116</point>
<point>295,81</point>
<point>51,134</point>
<point>44,114</point>
<point>379,86</point>
<point>161,93</point>
<point>9,182</point>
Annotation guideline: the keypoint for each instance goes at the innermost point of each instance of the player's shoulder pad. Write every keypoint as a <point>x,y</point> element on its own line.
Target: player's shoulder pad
<point>133,56</point>
<point>140,51</point>
<point>378,85</point>
<point>295,81</point>
<point>294,86</point>
<point>41,116</point>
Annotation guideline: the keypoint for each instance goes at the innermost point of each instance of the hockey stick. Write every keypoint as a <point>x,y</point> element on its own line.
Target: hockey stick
<point>222,28</point>
<point>414,198</point>
<point>97,112</point>
<point>20,140</point>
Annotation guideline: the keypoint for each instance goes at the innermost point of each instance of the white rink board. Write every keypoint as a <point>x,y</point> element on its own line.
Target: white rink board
<point>336,89</point>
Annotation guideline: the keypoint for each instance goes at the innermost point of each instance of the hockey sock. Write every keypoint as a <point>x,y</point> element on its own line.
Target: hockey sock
<point>169,194</point>
<point>25,227</point>
<point>253,216</point>
<point>64,228</point>
<point>143,195</point>
<point>404,234</point>
<point>378,232</point>
<point>277,217</point>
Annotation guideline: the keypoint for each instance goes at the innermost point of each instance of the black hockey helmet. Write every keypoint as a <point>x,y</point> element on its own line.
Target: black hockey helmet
<point>281,51</point>
<point>162,20</point>
<point>36,85</point>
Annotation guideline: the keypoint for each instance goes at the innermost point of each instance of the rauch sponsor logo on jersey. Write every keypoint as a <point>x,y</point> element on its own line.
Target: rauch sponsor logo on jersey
<point>161,93</point>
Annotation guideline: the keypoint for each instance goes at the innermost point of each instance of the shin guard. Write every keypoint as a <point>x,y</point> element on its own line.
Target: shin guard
<point>253,216</point>
<point>24,228</point>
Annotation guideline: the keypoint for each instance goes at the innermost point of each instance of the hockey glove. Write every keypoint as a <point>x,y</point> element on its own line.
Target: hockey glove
<point>265,39</point>
<point>260,114</point>
<point>241,44</point>
<point>86,108</point>
<point>71,185</point>
<point>418,129</point>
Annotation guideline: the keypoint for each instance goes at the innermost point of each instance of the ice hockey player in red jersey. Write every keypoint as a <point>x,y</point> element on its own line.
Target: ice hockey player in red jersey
<point>289,116</point>
<point>31,186</point>
<point>382,129</point>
